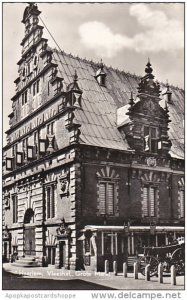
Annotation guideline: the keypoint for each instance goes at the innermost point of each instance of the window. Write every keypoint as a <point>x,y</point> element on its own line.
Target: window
<point>35,60</point>
<point>149,201</point>
<point>150,139</point>
<point>28,68</point>
<point>15,208</point>
<point>24,147</point>
<point>36,141</point>
<point>50,128</point>
<point>36,87</point>
<point>50,201</point>
<point>30,154</point>
<point>14,150</point>
<point>9,163</point>
<point>19,158</point>
<point>106,198</point>
<point>181,203</point>
<point>24,98</point>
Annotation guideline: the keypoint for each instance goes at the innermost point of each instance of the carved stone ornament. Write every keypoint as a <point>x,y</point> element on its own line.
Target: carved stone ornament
<point>64,184</point>
<point>151,162</point>
<point>63,230</point>
<point>7,200</point>
<point>6,234</point>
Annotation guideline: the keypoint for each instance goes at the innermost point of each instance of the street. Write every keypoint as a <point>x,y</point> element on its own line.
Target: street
<point>18,282</point>
<point>15,278</point>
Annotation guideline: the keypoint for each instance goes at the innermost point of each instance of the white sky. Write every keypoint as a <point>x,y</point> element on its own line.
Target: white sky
<point>124,35</point>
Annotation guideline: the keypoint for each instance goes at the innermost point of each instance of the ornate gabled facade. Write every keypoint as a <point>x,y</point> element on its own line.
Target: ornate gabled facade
<point>94,159</point>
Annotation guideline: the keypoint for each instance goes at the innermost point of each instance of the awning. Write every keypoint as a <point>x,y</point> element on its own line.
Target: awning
<point>107,228</point>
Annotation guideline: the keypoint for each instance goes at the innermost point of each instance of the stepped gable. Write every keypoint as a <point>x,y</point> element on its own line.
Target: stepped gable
<point>98,116</point>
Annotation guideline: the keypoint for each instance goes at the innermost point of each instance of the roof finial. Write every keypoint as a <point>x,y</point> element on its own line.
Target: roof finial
<point>148,68</point>
<point>75,76</point>
<point>131,100</point>
<point>101,65</point>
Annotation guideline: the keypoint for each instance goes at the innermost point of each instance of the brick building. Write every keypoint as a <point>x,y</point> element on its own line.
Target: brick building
<point>94,162</point>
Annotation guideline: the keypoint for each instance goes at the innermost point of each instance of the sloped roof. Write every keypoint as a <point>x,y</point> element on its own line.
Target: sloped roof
<point>98,117</point>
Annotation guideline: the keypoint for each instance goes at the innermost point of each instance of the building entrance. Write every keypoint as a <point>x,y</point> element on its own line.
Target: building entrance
<point>30,241</point>
<point>29,232</point>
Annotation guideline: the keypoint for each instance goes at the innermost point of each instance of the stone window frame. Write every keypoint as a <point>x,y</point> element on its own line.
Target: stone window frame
<point>155,187</point>
<point>155,139</point>
<point>50,181</point>
<point>109,176</point>
<point>150,179</point>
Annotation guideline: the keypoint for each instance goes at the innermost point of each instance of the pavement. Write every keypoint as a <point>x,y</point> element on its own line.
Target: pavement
<point>88,280</point>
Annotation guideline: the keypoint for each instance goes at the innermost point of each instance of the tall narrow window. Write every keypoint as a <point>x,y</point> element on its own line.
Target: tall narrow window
<point>37,86</point>
<point>15,208</point>
<point>149,201</point>
<point>25,96</point>
<point>34,88</point>
<point>182,203</point>
<point>22,99</point>
<point>50,128</point>
<point>50,201</point>
<point>106,198</point>
<point>150,139</point>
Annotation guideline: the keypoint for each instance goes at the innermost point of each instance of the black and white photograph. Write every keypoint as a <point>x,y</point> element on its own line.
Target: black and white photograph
<point>93,123</point>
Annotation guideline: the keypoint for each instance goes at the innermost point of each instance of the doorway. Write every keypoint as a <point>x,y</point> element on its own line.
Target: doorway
<point>29,232</point>
<point>62,249</point>
<point>30,241</point>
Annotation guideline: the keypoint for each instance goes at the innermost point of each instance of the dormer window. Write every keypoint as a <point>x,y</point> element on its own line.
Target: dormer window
<point>150,139</point>
<point>101,75</point>
<point>101,80</point>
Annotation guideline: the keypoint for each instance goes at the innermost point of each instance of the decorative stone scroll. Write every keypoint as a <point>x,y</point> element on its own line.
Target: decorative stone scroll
<point>6,234</point>
<point>63,230</point>
<point>151,162</point>
<point>64,181</point>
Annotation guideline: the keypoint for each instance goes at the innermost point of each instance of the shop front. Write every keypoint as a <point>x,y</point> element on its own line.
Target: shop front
<point>121,244</point>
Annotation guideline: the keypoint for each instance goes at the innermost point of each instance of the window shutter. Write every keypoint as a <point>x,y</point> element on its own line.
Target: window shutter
<point>110,200</point>
<point>152,202</point>
<point>102,198</point>
<point>9,165</point>
<point>182,203</point>
<point>159,145</point>
<point>30,152</point>
<point>19,158</point>
<point>146,143</point>
<point>145,201</point>
<point>42,146</point>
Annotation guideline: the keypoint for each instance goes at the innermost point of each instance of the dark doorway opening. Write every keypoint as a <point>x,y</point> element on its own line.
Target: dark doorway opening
<point>62,248</point>
<point>29,232</point>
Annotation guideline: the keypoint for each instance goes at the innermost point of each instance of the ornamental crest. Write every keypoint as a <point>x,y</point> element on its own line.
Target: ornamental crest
<point>151,162</point>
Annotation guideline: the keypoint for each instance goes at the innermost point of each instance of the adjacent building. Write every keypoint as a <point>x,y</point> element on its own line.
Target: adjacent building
<point>93,168</point>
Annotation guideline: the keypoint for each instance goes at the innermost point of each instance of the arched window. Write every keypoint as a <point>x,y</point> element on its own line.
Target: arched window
<point>29,216</point>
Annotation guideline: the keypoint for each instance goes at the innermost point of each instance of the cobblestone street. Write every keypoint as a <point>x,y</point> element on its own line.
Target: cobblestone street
<point>58,279</point>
